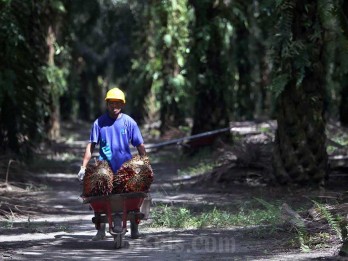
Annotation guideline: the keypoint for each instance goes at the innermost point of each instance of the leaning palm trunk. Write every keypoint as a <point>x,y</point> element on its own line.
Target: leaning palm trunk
<point>300,153</point>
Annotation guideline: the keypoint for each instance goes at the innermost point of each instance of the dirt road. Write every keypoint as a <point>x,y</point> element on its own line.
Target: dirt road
<point>61,227</point>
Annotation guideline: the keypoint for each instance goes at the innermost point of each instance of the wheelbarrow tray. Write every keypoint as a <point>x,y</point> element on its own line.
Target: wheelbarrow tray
<point>116,202</point>
<point>129,204</point>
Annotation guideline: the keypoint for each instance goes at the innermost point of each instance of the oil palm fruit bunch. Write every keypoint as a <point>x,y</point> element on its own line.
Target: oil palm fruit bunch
<point>135,175</point>
<point>121,179</point>
<point>98,179</point>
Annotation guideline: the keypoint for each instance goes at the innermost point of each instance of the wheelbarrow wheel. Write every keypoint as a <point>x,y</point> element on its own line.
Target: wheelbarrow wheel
<point>118,241</point>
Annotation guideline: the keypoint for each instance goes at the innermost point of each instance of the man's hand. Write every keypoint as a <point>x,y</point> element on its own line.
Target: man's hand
<point>141,150</point>
<point>81,173</point>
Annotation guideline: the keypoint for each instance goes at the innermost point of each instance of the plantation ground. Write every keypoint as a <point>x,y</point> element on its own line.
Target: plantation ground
<point>43,217</point>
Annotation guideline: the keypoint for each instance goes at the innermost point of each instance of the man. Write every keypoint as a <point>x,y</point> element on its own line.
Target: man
<point>113,131</point>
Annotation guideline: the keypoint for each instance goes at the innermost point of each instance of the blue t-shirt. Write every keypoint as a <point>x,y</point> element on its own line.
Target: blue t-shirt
<point>117,134</point>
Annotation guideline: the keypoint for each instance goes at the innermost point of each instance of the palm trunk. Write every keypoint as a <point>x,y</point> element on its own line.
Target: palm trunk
<point>300,153</point>
<point>210,110</point>
<point>54,117</point>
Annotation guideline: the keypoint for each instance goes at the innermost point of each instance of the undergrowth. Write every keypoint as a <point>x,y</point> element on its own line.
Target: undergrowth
<point>310,240</point>
<point>246,215</point>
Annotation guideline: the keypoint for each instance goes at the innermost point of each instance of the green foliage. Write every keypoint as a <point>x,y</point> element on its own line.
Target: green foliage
<point>200,168</point>
<point>24,76</point>
<point>173,29</point>
<point>282,48</point>
<point>56,78</point>
<point>19,80</point>
<point>333,221</point>
<point>291,53</point>
<point>312,241</point>
<point>278,84</point>
<point>158,79</point>
<point>309,241</point>
<point>182,217</point>
<point>303,239</point>
<point>176,218</point>
<point>197,164</point>
<point>209,65</point>
<point>57,6</point>
<point>175,59</point>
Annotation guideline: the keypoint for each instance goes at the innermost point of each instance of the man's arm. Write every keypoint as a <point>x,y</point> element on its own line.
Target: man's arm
<point>88,154</point>
<point>141,149</point>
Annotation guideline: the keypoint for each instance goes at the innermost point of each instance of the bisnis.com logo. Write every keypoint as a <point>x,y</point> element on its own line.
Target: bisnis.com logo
<point>198,244</point>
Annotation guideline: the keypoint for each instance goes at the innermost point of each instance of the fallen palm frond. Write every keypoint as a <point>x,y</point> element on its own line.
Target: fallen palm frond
<point>9,207</point>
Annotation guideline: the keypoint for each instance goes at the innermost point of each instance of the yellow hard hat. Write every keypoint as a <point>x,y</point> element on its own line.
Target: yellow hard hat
<point>115,94</point>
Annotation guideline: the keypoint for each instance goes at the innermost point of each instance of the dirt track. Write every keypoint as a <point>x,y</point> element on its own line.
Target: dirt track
<point>62,229</point>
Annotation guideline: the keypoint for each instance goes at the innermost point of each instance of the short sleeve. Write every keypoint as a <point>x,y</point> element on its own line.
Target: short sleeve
<point>136,138</point>
<point>95,132</point>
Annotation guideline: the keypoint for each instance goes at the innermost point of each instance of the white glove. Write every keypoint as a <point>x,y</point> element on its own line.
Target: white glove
<point>81,173</point>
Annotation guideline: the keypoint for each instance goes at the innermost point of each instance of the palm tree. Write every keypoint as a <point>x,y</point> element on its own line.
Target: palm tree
<point>343,108</point>
<point>300,153</point>
<point>208,61</point>
<point>24,53</point>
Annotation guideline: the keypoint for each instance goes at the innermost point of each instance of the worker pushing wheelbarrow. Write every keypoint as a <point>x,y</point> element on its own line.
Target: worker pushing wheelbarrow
<point>114,132</point>
<point>116,210</point>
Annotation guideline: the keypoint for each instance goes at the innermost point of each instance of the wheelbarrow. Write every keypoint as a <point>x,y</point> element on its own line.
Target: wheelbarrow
<point>133,206</point>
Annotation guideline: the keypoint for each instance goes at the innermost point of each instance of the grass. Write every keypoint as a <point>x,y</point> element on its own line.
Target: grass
<point>247,215</point>
<point>8,223</point>
<point>200,163</point>
<point>256,212</point>
<point>200,168</point>
<point>35,187</point>
<point>35,227</point>
<point>310,240</point>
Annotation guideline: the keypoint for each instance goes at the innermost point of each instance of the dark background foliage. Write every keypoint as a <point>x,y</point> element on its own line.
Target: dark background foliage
<point>191,64</point>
